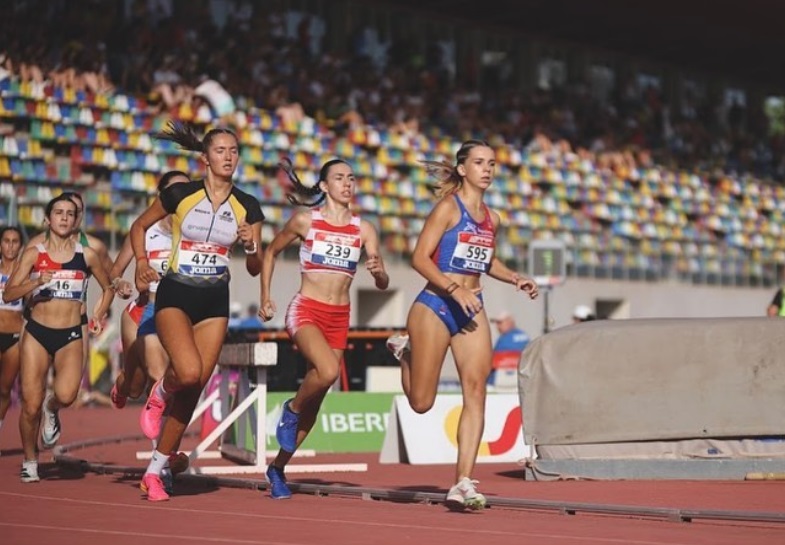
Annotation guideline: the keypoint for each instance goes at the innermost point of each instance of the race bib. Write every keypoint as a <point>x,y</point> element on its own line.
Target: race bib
<point>203,259</point>
<point>473,253</point>
<point>336,251</point>
<point>65,284</point>
<point>159,262</point>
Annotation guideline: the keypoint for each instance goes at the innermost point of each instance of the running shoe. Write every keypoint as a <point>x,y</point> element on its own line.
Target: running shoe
<point>29,472</point>
<point>118,400</point>
<point>464,495</point>
<point>152,415</point>
<point>50,428</point>
<point>398,344</point>
<point>154,488</point>
<point>277,481</point>
<point>167,479</point>
<point>286,431</point>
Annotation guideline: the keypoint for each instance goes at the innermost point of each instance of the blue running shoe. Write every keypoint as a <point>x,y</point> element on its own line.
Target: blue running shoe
<point>278,489</point>
<point>286,431</point>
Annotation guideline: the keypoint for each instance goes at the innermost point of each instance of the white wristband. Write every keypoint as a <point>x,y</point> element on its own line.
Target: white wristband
<point>252,251</point>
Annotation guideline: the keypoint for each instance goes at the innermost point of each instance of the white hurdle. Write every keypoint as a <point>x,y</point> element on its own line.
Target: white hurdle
<point>250,361</point>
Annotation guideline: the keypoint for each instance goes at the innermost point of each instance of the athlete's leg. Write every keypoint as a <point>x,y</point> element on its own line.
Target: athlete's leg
<point>156,359</point>
<point>422,366</point>
<point>68,375</point>
<point>473,354</point>
<point>9,370</point>
<point>131,375</point>
<point>32,378</point>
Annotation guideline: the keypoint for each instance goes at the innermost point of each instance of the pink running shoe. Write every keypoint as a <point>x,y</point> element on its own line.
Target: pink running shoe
<point>152,486</point>
<point>118,400</point>
<point>151,416</point>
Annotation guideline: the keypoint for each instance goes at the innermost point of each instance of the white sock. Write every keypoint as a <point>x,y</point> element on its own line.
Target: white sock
<point>159,389</point>
<point>157,462</point>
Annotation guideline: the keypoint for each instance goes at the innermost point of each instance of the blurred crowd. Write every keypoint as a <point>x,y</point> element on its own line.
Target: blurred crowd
<point>177,52</point>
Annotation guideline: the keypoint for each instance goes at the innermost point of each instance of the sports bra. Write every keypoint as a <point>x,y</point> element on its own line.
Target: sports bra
<point>329,248</point>
<point>69,279</point>
<point>468,247</point>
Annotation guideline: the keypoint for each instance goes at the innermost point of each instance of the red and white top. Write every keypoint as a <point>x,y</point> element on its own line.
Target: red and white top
<point>329,248</point>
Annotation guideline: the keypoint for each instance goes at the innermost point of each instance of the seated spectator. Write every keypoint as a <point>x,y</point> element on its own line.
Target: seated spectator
<point>511,342</point>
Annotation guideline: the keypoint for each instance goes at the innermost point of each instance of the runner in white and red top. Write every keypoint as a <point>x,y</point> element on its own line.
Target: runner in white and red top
<point>317,319</point>
<point>11,321</point>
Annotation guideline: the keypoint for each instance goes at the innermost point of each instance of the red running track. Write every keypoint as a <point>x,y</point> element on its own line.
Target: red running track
<point>69,507</point>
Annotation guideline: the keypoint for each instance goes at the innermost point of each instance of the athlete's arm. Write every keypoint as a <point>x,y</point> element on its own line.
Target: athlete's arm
<point>296,227</point>
<point>374,262</point>
<point>144,273</point>
<point>20,284</point>
<point>95,262</point>
<point>251,239</point>
<point>501,272</point>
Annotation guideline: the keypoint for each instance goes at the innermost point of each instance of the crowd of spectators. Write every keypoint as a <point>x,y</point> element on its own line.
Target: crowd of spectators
<point>177,52</point>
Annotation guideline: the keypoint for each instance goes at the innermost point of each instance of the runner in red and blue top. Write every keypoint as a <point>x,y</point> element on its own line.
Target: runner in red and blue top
<point>456,246</point>
<point>317,319</point>
<point>11,321</point>
<point>54,273</point>
<point>192,302</point>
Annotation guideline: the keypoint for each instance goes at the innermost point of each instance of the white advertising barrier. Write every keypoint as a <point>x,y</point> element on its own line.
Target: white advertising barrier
<point>430,438</point>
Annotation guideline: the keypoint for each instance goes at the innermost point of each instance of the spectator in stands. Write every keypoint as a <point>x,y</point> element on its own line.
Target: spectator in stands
<point>582,313</point>
<point>509,344</point>
<point>332,238</point>
<point>455,246</point>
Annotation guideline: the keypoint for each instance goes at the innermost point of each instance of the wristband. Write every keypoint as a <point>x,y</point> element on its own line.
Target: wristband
<point>451,288</point>
<point>116,282</point>
<point>253,249</point>
<point>140,258</point>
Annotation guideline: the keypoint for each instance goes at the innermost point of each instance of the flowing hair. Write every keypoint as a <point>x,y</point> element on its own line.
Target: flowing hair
<point>299,189</point>
<point>184,136</point>
<point>448,181</point>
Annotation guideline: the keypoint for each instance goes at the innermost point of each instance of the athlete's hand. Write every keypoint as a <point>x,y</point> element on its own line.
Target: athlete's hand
<point>468,299</point>
<point>526,284</point>
<point>374,265</point>
<point>267,310</point>
<point>45,278</point>
<point>145,275</point>
<point>123,288</point>
<point>94,326</point>
<point>245,234</point>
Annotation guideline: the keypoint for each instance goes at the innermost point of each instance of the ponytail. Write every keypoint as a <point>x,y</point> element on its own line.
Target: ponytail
<point>448,181</point>
<point>184,136</point>
<point>299,189</point>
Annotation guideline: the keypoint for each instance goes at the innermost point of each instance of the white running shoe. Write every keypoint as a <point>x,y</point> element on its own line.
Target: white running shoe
<point>50,427</point>
<point>29,473</point>
<point>465,495</point>
<point>398,344</point>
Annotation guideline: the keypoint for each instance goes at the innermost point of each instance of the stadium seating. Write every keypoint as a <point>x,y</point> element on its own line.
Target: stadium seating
<point>645,224</point>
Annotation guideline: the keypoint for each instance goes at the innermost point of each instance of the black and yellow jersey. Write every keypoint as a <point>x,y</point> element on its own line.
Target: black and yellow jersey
<point>201,238</point>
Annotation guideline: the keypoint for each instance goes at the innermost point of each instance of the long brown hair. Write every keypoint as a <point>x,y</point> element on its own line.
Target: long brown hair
<point>448,181</point>
<point>184,136</point>
<point>298,188</point>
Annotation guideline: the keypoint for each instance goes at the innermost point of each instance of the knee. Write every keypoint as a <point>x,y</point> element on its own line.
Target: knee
<point>474,389</point>
<point>421,404</point>
<point>328,376</point>
<point>189,378</point>
<point>31,410</point>
<point>67,399</point>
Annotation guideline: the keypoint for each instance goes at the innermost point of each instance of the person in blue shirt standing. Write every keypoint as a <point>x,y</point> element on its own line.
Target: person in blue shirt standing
<point>509,345</point>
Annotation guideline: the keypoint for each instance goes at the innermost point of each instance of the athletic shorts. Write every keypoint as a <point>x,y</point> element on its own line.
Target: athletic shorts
<point>447,309</point>
<point>135,311</point>
<point>147,321</point>
<point>332,320</point>
<point>53,339</point>
<point>198,302</point>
